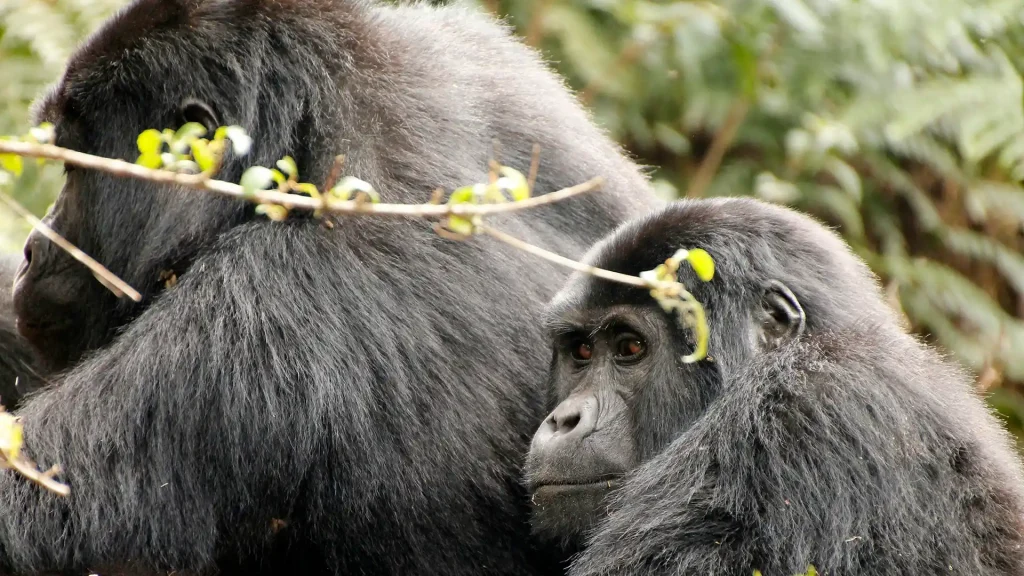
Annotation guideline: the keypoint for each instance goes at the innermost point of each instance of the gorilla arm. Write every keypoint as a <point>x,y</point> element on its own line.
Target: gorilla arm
<point>817,426</point>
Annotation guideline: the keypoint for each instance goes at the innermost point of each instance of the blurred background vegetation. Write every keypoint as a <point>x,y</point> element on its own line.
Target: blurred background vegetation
<point>899,122</point>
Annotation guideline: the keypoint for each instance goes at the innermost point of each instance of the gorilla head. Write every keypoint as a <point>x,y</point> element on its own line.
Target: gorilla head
<point>812,399</point>
<point>170,39</point>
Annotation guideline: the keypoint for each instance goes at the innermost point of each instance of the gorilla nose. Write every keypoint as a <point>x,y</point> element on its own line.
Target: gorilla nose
<point>31,246</point>
<point>573,420</point>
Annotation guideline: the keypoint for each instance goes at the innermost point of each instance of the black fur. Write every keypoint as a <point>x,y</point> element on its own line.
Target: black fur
<point>18,370</point>
<point>371,385</point>
<point>851,446</point>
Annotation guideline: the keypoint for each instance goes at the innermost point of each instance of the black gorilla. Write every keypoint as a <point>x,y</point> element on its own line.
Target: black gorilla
<point>306,399</point>
<point>819,432</point>
<point>18,373</point>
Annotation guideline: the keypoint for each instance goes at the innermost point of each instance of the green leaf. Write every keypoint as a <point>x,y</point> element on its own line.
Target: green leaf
<point>462,195</point>
<point>12,163</point>
<point>203,154</point>
<point>460,225</point>
<point>241,142</point>
<point>287,165</point>
<point>150,142</point>
<point>514,181</point>
<point>43,134</point>
<point>746,63</point>
<point>273,211</point>
<point>277,176</point>
<point>189,132</point>
<point>11,436</point>
<point>348,186</point>
<point>151,160</point>
<point>255,179</point>
<point>845,176</point>
<point>702,264</point>
<point>307,188</point>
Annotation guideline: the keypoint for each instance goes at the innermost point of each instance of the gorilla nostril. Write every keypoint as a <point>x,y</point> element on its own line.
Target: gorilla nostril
<point>567,422</point>
<point>26,263</point>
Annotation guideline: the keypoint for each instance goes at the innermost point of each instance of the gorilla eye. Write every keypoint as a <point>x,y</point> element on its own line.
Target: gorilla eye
<point>581,350</point>
<point>629,348</point>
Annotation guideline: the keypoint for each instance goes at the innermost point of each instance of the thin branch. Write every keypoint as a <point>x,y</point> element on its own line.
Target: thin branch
<point>336,168</point>
<point>531,179</point>
<point>567,262</point>
<point>201,182</point>
<point>119,287</point>
<point>719,145</point>
<point>44,479</point>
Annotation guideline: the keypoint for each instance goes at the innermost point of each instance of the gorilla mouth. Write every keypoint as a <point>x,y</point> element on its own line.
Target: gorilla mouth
<point>568,485</point>
<point>37,331</point>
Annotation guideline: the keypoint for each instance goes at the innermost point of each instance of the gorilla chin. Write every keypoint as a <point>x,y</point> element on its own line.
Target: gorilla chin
<point>567,512</point>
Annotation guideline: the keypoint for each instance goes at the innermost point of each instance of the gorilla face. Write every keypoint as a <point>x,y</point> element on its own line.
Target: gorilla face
<point>587,444</point>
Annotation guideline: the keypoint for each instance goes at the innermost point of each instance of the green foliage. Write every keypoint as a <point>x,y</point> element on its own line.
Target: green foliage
<point>674,298</point>
<point>36,38</point>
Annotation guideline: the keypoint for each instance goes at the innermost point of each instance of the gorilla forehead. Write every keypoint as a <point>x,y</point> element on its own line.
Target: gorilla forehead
<point>752,242</point>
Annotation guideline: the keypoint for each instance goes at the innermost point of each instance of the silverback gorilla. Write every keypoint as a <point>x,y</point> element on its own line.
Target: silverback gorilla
<point>18,374</point>
<point>307,399</point>
<point>819,432</point>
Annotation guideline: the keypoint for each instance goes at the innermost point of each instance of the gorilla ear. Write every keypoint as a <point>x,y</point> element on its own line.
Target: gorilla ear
<point>783,318</point>
<point>197,111</point>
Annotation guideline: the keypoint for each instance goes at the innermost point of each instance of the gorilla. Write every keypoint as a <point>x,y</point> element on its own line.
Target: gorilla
<point>817,432</point>
<point>313,397</point>
<point>18,373</point>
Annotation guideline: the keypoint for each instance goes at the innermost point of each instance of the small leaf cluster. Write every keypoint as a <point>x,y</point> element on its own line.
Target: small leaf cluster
<point>11,436</point>
<point>186,149</point>
<point>505,184</point>
<point>286,180</point>
<point>673,297</point>
<point>12,439</point>
<point>12,163</point>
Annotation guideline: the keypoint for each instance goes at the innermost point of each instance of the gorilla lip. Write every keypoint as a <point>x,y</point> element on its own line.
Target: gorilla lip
<point>610,481</point>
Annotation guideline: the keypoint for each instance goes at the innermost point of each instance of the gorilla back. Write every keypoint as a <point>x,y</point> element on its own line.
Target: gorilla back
<point>311,399</point>
<point>820,432</point>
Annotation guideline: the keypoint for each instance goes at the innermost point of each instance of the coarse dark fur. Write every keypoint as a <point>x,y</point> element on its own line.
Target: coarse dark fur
<point>306,399</point>
<point>821,433</point>
<point>18,370</point>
